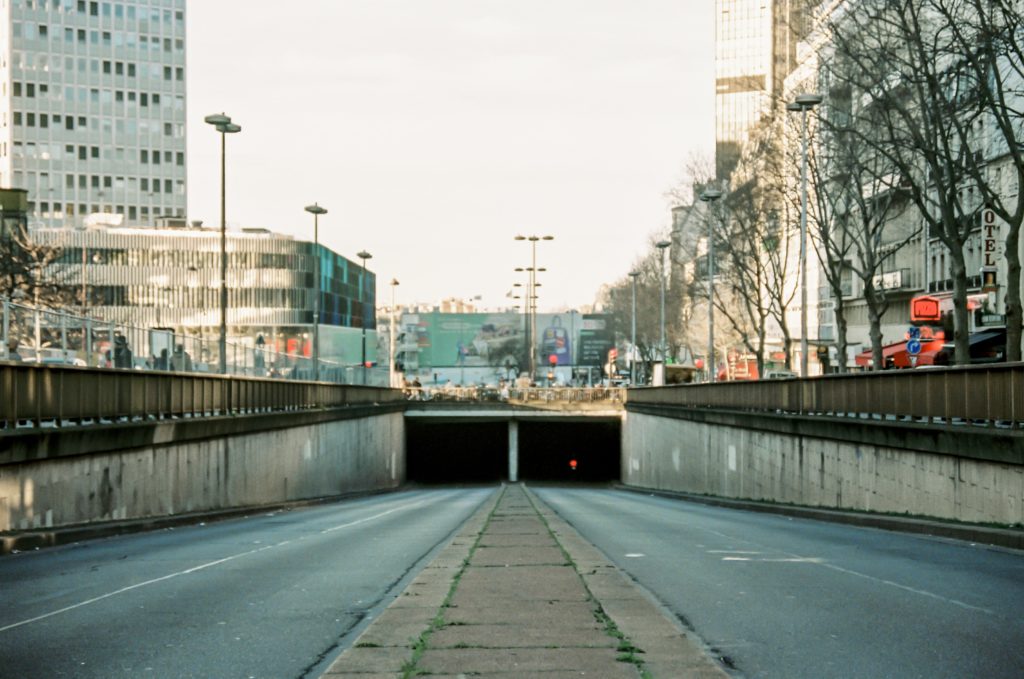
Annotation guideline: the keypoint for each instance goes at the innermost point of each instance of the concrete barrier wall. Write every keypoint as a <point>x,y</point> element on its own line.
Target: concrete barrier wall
<point>710,458</point>
<point>248,469</point>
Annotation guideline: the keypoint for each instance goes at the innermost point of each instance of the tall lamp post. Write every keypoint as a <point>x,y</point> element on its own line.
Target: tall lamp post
<point>803,103</point>
<point>662,245</point>
<point>709,196</point>
<point>316,211</point>
<point>364,255</point>
<point>393,377</point>
<point>222,123</point>
<point>531,297</point>
<point>632,350</point>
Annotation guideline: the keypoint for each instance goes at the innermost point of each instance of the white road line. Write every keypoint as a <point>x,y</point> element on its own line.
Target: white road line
<point>194,569</point>
<point>908,589</point>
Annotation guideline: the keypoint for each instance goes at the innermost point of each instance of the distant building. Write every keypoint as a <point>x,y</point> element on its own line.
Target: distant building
<point>168,277</point>
<point>92,109</point>
<point>755,49</point>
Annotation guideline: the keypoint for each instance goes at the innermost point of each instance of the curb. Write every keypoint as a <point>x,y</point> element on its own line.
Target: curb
<point>15,542</point>
<point>998,537</point>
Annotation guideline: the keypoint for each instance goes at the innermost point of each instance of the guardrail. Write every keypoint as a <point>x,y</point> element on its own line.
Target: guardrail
<point>984,394</point>
<point>34,395</point>
<point>517,395</point>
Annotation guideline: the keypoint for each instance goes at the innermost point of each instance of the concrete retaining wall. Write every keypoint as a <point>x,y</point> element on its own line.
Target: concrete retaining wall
<point>316,459</point>
<point>710,458</point>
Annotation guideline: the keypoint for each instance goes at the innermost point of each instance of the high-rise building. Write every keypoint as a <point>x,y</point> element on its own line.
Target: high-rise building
<point>755,49</point>
<point>92,109</point>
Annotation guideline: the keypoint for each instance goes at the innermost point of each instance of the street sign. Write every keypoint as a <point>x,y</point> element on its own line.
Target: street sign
<point>914,347</point>
<point>914,332</point>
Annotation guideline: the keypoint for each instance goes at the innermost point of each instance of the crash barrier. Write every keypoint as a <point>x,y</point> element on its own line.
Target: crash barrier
<point>58,395</point>
<point>991,395</point>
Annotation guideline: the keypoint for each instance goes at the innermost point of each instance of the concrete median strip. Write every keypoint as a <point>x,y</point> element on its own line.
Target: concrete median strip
<point>518,592</point>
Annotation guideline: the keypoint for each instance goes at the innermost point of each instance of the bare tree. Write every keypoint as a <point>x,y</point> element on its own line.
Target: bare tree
<point>985,50</point>
<point>918,112</point>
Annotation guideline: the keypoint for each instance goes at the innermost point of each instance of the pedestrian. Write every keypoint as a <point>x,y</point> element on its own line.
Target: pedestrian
<point>12,351</point>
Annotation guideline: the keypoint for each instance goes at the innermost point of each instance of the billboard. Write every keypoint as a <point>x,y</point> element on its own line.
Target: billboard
<point>498,340</point>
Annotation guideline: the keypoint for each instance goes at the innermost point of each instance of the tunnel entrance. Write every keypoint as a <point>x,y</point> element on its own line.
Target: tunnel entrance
<point>456,452</point>
<point>547,449</point>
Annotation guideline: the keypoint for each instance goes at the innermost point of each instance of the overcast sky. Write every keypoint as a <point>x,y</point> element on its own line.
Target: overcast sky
<point>434,131</point>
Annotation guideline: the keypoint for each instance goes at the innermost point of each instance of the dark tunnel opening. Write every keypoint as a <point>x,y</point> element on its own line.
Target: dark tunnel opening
<point>456,452</point>
<point>548,449</point>
<point>477,452</point>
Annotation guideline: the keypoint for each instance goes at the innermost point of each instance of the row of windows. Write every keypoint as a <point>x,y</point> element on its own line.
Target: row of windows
<point>46,63</point>
<point>84,152</point>
<point>106,10</point>
<point>82,36</point>
<point>96,95</point>
<point>44,120</point>
<point>98,182</point>
<point>45,210</point>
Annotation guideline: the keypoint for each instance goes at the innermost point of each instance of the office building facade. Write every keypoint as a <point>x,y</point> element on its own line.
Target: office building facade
<point>92,109</point>
<point>755,49</point>
<point>169,277</point>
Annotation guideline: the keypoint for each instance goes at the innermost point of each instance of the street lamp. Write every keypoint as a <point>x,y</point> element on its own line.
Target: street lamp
<point>803,103</point>
<point>392,378</point>
<point>661,245</point>
<point>632,357</point>
<point>364,255</point>
<point>222,123</point>
<point>709,196</point>
<point>316,211</point>
<point>532,297</point>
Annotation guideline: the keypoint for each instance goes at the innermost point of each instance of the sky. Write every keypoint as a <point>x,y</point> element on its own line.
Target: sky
<point>435,131</point>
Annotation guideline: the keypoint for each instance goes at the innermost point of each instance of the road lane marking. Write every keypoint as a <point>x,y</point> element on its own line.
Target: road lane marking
<point>195,569</point>
<point>922,592</point>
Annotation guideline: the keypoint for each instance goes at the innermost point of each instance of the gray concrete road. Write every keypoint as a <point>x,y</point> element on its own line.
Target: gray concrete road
<point>272,596</point>
<point>792,598</point>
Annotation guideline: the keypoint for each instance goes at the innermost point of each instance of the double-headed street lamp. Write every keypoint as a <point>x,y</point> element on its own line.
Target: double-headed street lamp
<point>531,297</point>
<point>222,123</point>
<point>662,245</point>
<point>632,351</point>
<point>709,196</point>
<point>316,211</point>
<point>803,103</point>
<point>364,255</point>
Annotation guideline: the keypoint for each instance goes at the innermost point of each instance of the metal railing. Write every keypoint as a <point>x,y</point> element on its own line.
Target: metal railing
<point>518,395</point>
<point>53,337</point>
<point>45,395</point>
<point>991,395</point>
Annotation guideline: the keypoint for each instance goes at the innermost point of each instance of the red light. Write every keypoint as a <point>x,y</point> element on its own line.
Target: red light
<point>572,464</point>
<point>553,359</point>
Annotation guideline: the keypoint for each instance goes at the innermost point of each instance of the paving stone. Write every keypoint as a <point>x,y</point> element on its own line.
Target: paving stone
<point>366,660</point>
<point>532,635</point>
<point>603,662</point>
<point>568,613</point>
<point>517,556</point>
<point>489,540</point>
<point>520,583</point>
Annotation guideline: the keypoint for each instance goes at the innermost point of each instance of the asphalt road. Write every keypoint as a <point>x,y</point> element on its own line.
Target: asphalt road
<point>792,598</point>
<point>274,595</point>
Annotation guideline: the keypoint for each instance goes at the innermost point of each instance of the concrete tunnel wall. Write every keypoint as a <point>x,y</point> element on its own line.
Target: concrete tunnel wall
<point>757,464</point>
<point>248,469</point>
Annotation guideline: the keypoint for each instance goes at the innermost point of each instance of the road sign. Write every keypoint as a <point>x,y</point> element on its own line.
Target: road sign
<point>914,332</point>
<point>914,347</point>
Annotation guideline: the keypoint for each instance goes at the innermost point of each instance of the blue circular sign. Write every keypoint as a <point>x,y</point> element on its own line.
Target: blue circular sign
<point>914,347</point>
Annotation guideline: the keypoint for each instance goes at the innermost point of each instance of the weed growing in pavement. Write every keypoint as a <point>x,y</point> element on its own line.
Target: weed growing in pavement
<point>409,668</point>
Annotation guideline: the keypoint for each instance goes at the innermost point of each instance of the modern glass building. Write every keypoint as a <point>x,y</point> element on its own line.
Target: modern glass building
<point>92,109</point>
<point>169,277</point>
<point>755,48</point>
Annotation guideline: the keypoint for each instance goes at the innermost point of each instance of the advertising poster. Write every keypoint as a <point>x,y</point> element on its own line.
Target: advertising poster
<point>595,340</point>
<point>466,340</point>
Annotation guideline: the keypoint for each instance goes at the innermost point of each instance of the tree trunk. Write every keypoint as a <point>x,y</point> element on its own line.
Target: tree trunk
<point>874,326</point>
<point>841,345</point>
<point>1014,312</point>
<point>961,325</point>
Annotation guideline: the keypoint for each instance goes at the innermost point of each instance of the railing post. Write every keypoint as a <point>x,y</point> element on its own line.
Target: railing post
<point>64,336</point>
